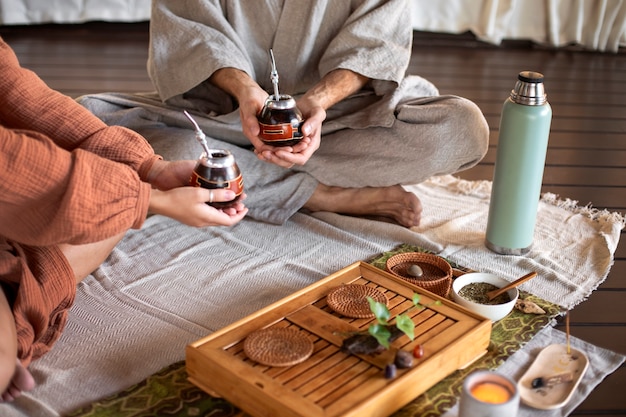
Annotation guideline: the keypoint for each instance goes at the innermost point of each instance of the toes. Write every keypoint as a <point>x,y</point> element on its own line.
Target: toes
<point>6,397</point>
<point>23,379</point>
<point>14,392</point>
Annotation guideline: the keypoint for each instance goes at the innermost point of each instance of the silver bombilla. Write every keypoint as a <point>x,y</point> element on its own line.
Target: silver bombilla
<point>274,76</point>
<point>200,136</point>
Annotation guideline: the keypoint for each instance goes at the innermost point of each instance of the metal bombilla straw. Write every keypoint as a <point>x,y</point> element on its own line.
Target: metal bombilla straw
<point>200,136</point>
<point>274,76</point>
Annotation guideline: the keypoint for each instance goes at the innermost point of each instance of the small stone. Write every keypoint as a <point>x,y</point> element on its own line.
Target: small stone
<point>390,371</point>
<point>418,351</point>
<point>403,359</point>
<point>361,344</point>
<point>415,271</point>
<point>537,383</point>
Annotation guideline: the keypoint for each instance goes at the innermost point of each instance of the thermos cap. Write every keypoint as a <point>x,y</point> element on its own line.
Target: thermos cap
<point>529,89</point>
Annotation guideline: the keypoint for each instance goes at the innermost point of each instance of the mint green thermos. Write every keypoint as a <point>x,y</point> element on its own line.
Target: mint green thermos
<point>518,173</point>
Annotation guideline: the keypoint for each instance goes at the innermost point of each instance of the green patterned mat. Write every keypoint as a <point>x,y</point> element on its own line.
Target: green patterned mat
<point>169,393</point>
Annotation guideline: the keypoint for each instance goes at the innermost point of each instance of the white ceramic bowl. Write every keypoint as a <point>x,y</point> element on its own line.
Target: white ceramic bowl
<point>494,312</point>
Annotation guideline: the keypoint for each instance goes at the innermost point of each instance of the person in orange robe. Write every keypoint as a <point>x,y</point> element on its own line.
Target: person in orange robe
<point>70,187</point>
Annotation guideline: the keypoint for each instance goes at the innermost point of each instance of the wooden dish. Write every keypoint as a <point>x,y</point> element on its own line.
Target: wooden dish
<point>552,360</point>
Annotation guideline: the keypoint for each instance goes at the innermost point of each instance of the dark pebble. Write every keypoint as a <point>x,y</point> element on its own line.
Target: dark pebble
<point>403,359</point>
<point>537,383</point>
<point>390,371</point>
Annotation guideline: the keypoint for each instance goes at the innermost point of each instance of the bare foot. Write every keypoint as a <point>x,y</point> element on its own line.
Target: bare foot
<point>22,381</point>
<point>392,202</point>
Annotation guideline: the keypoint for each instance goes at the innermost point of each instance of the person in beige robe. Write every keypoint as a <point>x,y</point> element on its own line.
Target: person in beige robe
<point>369,127</point>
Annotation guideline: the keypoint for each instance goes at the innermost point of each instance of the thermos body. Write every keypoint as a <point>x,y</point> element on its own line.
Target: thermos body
<point>518,173</point>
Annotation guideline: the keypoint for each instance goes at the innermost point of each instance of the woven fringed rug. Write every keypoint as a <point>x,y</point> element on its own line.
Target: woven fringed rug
<point>572,249</point>
<point>169,393</point>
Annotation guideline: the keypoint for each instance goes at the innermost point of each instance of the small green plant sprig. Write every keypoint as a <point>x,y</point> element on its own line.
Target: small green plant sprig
<point>380,329</point>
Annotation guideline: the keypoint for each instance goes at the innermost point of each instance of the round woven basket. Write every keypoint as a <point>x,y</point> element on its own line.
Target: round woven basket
<point>437,272</point>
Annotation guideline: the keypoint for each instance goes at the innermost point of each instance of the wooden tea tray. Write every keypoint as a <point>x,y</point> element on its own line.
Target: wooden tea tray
<point>331,383</point>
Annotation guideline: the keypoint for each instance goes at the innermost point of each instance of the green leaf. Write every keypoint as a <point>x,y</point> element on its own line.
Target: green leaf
<point>406,325</point>
<point>380,310</point>
<point>381,333</point>
<point>416,299</point>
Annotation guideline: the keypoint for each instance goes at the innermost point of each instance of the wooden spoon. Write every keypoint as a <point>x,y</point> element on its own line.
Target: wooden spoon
<point>494,293</point>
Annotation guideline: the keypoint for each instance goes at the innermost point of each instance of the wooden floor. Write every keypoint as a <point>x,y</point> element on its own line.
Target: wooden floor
<point>586,157</point>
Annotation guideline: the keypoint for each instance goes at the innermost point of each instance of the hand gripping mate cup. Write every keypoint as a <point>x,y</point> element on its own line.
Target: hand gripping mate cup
<point>216,169</point>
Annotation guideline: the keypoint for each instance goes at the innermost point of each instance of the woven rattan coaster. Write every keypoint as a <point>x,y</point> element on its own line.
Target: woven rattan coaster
<point>278,346</point>
<point>350,300</point>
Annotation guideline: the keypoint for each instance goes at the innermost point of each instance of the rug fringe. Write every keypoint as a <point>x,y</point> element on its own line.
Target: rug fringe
<point>482,188</point>
<point>588,210</point>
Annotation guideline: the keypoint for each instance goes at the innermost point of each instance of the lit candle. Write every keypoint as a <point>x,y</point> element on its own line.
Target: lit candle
<point>488,394</point>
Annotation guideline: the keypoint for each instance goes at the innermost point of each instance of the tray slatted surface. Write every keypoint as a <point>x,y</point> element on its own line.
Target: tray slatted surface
<point>331,382</point>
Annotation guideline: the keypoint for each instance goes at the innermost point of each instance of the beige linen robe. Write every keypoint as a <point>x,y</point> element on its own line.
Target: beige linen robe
<point>396,130</point>
<point>192,40</point>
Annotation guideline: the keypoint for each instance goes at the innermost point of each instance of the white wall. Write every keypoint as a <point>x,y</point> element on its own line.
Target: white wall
<point>595,24</point>
<point>19,12</point>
